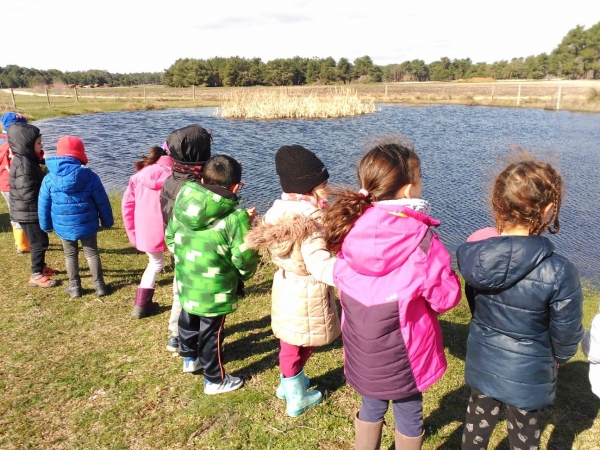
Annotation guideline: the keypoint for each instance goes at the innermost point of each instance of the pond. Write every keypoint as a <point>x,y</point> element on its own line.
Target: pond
<point>460,147</point>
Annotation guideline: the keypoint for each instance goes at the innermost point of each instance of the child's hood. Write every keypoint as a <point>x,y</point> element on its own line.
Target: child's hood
<point>200,206</point>
<point>500,262</point>
<point>67,173</point>
<point>286,223</point>
<point>383,238</point>
<point>153,177</point>
<point>21,138</point>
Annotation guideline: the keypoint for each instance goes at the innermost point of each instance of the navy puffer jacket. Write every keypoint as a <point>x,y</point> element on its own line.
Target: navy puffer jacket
<point>72,200</point>
<point>527,318</point>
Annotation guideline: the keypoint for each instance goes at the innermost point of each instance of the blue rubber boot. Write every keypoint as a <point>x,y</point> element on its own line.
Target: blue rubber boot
<point>281,391</point>
<point>297,397</point>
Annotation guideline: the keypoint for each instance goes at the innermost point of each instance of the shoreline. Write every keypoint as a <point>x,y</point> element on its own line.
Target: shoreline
<point>566,95</point>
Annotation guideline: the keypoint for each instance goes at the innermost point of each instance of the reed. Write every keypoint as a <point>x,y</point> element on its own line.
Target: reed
<point>289,104</point>
<point>594,95</point>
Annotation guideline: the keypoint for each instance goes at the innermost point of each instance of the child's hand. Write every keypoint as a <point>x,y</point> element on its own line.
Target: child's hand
<point>252,213</point>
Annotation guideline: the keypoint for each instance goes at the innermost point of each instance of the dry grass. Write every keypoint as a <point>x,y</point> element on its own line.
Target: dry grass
<point>292,104</point>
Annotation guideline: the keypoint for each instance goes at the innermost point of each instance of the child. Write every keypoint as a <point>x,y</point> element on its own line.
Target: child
<point>26,177</point>
<point>591,348</point>
<point>527,307</point>
<point>206,236</point>
<point>7,119</point>
<point>72,199</point>
<point>394,278</point>
<point>304,311</point>
<point>142,217</point>
<point>190,149</point>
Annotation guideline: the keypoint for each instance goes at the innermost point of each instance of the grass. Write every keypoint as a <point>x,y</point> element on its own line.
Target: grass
<point>292,104</point>
<point>80,374</point>
<point>594,95</point>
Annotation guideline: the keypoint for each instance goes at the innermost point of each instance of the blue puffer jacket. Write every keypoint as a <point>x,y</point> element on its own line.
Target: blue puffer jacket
<point>528,311</point>
<point>71,200</point>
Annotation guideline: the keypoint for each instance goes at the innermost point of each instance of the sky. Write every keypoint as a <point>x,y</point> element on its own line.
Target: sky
<point>133,36</point>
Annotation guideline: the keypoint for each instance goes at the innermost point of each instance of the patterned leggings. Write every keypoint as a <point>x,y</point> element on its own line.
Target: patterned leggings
<point>524,427</point>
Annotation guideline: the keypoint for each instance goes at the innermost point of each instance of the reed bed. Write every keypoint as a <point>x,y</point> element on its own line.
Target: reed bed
<point>287,104</point>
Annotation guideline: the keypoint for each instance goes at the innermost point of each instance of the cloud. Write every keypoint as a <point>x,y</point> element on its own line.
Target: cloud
<point>255,21</point>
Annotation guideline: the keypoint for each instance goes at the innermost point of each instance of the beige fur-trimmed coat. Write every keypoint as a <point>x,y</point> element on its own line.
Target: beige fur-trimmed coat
<point>304,310</point>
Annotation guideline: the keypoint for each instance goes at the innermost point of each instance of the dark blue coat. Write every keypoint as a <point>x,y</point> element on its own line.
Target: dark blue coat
<point>528,312</point>
<point>72,199</point>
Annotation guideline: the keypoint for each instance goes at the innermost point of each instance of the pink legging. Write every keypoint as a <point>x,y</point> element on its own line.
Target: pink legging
<point>292,358</point>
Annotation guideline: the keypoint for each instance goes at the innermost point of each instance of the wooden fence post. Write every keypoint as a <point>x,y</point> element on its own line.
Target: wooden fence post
<point>519,95</point>
<point>493,89</point>
<point>12,94</point>
<point>194,92</point>
<point>76,96</point>
<point>48,99</point>
<point>144,94</point>
<point>558,99</point>
<point>386,91</point>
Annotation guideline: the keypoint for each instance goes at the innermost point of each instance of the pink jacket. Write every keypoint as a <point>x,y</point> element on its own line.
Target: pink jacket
<point>394,278</point>
<point>140,207</point>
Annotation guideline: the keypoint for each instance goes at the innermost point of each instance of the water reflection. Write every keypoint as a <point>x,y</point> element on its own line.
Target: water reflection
<point>460,149</point>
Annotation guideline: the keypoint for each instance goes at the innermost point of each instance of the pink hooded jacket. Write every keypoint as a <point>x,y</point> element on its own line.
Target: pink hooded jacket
<point>394,277</point>
<point>140,207</point>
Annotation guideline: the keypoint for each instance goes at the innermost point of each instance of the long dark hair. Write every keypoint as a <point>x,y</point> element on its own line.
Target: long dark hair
<point>153,155</point>
<point>382,171</point>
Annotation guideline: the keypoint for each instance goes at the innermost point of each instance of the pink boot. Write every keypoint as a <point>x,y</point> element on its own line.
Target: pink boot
<point>144,306</point>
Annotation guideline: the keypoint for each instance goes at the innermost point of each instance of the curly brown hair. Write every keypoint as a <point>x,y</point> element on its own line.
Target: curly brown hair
<point>155,153</point>
<point>521,193</point>
<point>391,164</point>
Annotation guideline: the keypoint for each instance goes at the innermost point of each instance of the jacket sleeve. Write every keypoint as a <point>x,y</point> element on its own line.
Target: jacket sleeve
<point>170,235</point>
<point>128,211</point>
<point>319,261</point>
<point>27,184</point>
<point>243,257</point>
<point>102,203</point>
<point>566,314</point>
<point>591,348</point>
<point>45,207</point>
<point>442,286</point>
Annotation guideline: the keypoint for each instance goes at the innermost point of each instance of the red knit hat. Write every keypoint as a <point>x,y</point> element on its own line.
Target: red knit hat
<point>71,146</point>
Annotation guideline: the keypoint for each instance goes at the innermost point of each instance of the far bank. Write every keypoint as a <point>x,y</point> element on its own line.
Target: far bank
<point>570,95</point>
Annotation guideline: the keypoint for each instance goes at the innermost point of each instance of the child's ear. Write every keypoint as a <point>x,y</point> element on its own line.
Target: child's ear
<point>202,180</point>
<point>407,191</point>
<point>235,188</point>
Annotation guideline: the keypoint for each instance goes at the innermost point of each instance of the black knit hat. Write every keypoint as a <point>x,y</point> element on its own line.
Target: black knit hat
<point>299,169</point>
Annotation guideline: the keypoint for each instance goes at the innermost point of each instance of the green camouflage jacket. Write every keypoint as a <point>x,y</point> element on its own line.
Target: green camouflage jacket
<point>206,236</point>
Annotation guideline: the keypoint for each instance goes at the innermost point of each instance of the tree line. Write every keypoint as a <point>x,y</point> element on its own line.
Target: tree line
<point>576,57</point>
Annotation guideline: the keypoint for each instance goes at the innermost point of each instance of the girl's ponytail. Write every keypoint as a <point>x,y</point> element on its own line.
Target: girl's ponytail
<point>381,172</point>
<point>155,153</point>
<point>341,215</point>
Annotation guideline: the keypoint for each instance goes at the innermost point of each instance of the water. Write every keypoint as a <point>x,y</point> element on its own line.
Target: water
<point>460,148</point>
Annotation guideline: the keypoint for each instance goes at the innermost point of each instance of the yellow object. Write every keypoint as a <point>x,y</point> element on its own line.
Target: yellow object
<point>21,240</point>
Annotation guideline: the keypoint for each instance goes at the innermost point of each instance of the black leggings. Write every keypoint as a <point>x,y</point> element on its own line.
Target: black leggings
<point>38,241</point>
<point>524,427</point>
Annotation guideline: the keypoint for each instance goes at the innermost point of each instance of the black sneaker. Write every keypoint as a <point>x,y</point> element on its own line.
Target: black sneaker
<point>74,290</point>
<point>101,289</point>
<point>173,344</point>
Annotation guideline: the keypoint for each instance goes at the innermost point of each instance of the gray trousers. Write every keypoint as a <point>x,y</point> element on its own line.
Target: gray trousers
<point>90,251</point>
<point>6,196</point>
